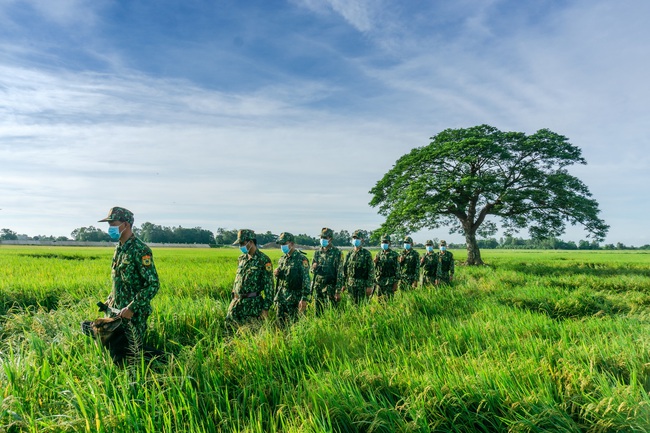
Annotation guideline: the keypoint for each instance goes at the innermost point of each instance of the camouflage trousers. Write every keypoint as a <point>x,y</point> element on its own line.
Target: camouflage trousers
<point>324,296</point>
<point>286,312</point>
<point>243,310</point>
<point>407,284</point>
<point>428,280</point>
<point>385,288</point>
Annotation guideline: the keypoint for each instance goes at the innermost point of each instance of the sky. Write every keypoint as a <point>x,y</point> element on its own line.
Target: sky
<point>282,115</point>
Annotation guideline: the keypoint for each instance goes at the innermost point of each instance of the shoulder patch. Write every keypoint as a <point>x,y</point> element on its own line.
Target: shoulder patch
<point>268,267</point>
<point>146,260</point>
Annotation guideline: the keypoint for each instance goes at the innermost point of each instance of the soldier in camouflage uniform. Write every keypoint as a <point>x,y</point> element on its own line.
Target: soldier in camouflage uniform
<point>327,266</point>
<point>135,280</point>
<point>429,265</point>
<point>445,274</point>
<point>387,269</point>
<point>252,292</point>
<point>359,270</point>
<point>292,280</point>
<point>409,261</point>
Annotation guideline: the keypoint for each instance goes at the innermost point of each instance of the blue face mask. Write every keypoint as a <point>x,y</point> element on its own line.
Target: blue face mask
<point>114,232</point>
<point>443,249</point>
<point>324,243</point>
<point>356,242</point>
<point>243,249</point>
<point>384,247</point>
<point>407,246</point>
<point>430,249</point>
<point>284,248</point>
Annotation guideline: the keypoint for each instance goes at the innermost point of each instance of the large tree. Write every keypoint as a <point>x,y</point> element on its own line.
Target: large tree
<point>465,175</point>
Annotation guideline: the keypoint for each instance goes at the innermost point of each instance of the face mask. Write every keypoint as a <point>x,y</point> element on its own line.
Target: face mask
<point>114,232</point>
<point>284,248</point>
<point>429,249</point>
<point>407,246</point>
<point>384,247</point>
<point>443,249</point>
<point>324,243</point>
<point>356,242</point>
<point>243,249</point>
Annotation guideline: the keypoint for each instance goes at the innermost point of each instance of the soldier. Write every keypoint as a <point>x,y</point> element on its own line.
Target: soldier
<point>134,275</point>
<point>359,270</point>
<point>386,269</point>
<point>409,261</point>
<point>327,266</point>
<point>445,274</point>
<point>292,280</point>
<point>429,265</point>
<point>252,292</point>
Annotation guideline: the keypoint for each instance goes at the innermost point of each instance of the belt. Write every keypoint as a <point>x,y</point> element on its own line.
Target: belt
<point>247,295</point>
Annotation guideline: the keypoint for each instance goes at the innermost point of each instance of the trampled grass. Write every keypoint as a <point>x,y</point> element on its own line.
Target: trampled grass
<point>536,341</point>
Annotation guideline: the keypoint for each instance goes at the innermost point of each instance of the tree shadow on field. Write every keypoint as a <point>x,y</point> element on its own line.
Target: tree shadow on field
<point>21,301</point>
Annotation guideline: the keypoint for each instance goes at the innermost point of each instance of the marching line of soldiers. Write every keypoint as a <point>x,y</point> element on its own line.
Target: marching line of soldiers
<point>358,273</point>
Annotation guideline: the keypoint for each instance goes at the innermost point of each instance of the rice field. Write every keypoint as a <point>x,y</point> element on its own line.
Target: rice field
<point>537,341</point>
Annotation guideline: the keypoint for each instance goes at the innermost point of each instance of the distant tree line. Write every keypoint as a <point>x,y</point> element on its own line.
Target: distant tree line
<point>153,233</point>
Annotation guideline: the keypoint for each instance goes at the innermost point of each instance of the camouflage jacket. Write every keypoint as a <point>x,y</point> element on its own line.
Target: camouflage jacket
<point>409,265</point>
<point>429,265</point>
<point>445,264</point>
<point>327,266</point>
<point>387,268</point>
<point>293,278</point>
<point>359,269</point>
<point>135,279</point>
<point>254,278</point>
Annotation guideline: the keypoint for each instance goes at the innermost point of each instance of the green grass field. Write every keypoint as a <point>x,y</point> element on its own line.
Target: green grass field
<point>535,342</point>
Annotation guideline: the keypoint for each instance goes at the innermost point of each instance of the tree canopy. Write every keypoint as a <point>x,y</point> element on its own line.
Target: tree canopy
<point>466,175</point>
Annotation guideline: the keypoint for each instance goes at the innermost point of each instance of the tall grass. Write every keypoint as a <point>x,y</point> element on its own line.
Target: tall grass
<point>533,342</point>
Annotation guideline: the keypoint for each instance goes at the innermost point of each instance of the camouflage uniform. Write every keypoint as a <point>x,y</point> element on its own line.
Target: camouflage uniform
<point>358,272</point>
<point>445,265</point>
<point>409,266</point>
<point>252,291</point>
<point>387,270</point>
<point>135,279</point>
<point>292,281</point>
<point>327,266</point>
<point>429,266</point>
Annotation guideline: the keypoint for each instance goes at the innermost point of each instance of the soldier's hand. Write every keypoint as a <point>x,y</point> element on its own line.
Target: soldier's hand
<point>337,297</point>
<point>126,313</point>
<point>314,266</point>
<point>342,289</point>
<point>302,306</point>
<point>368,291</point>
<point>276,272</point>
<point>264,314</point>
<point>394,287</point>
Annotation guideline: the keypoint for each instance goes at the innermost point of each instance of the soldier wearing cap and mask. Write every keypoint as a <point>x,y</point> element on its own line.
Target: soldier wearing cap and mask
<point>359,270</point>
<point>252,292</point>
<point>445,273</point>
<point>293,291</point>
<point>387,269</point>
<point>134,275</point>
<point>429,265</point>
<point>327,266</point>
<point>409,261</point>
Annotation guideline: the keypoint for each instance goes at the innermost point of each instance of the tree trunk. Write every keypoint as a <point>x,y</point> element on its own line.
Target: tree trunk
<point>473,253</point>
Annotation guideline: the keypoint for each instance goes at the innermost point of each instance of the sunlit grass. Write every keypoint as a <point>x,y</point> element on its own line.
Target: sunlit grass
<point>535,341</point>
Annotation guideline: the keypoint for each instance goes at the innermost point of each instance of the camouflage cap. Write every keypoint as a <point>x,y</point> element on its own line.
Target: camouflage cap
<point>385,238</point>
<point>284,238</point>
<point>443,243</point>
<point>118,214</point>
<point>429,242</point>
<point>326,233</point>
<point>408,240</point>
<point>357,234</point>
<point>245,235</point>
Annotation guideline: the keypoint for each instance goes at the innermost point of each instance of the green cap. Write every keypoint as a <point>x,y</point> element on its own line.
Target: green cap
<point>119,214</point>
<point>245,235</point>
<point>284,238</point>
<point>443,243</point>
<point>408,240</point>
<point>385,238</point>
<point>358,234</point>
<point>326,233</point>
<point>429,242</point>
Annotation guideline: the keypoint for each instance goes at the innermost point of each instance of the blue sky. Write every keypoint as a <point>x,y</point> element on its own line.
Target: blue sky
<point>281,115</point>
